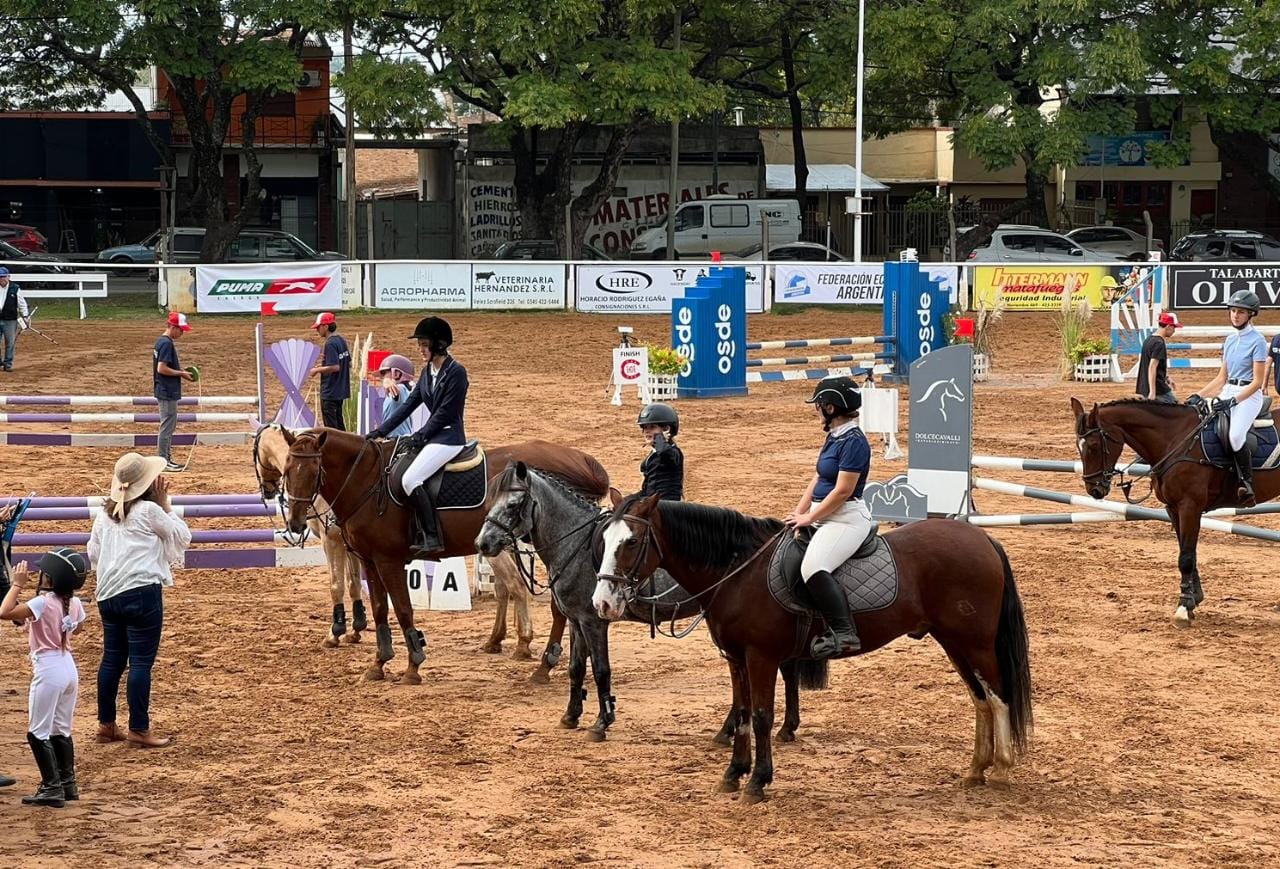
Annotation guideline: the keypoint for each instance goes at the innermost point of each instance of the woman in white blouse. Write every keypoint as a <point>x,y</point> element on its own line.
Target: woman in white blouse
<point>135,539</point>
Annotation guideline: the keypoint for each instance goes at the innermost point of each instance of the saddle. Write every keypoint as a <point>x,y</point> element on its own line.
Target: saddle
<point>1262,441</point>
<point>463,484</point>
<point>869,579</point>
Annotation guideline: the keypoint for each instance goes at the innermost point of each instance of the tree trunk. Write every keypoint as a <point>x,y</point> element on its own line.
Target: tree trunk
<point>796,110</point>
<point>1252,161</point>
<point>540,209</point>
<point>1037,183</point>
<point>595,194</point>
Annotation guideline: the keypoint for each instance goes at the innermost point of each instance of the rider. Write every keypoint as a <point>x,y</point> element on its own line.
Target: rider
<point>442,387</point>
<point>663,468</point>
<point>833,504</point>
<point>1239,382</point>
<point>397,381</point>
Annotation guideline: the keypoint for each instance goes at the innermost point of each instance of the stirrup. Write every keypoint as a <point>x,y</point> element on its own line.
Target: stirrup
<point>831,645</point>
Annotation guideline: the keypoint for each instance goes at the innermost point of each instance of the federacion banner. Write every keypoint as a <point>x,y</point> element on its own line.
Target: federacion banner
<point>1209,286</point>
<point>423,286</point>
<point>844,283</point>
<point>1037,288</point>
<point>229,289</point>
<point>638,288</point>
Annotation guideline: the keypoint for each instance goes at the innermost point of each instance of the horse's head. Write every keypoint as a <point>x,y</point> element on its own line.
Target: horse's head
<point>511,511</point>
<point>303,475</point>
<point>631,552</point>
<point>1099,449</point>
<point>270,452</point>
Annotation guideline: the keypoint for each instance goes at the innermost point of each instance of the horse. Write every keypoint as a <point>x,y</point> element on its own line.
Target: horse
<point>954,583</point>
<point>1165,436</point>
<point>562,526</point>
<point>350,473</point>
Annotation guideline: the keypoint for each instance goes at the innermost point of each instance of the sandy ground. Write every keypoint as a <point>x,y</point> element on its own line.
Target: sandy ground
<point>1153,746</point>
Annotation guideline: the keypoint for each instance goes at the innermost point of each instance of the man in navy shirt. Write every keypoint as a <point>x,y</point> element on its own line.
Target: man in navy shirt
<point>168,375</point>
<point>334,370</point>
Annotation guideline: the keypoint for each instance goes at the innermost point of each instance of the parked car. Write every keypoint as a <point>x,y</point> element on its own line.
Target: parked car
<point>1114,239</point>
<point>542,248</point>
<point>1231,245</point>
<point>795,251</point>
<point>722,223</point>
<point>250,246</point>
<point>24,261</point>
<point>1030,244</point>
<point>144,252</point>
<point>24,237</point>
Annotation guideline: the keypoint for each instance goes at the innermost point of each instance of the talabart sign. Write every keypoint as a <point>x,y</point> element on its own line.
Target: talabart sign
<point>1211,286</point>
<point>292,287</point>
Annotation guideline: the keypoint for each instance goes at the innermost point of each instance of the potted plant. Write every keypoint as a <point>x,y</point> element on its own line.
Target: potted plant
<point>665,365</point>
<point>1073,322</point>
<point>1091,360</point>
<point>980,331</point>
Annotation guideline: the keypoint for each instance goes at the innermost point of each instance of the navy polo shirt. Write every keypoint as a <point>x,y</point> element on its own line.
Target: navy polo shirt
<point>167,387</point>
<point>1274,349</point>
<point>337,386</point>
<point>848,452</point>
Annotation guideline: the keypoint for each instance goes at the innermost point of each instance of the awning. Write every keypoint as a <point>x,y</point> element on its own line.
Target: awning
<point>781,178</point>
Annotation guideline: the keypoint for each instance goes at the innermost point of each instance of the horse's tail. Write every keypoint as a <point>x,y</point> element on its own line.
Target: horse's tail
<point>813,674</point>
<point>1013,656</point>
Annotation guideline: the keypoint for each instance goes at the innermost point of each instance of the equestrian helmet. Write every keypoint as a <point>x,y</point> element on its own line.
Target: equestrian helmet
<point>433,329</point>
<point>65,568</point>
<point>1245,299</point>
<point>396,362</point>
<point>839,392</point>
<point>660,414</point>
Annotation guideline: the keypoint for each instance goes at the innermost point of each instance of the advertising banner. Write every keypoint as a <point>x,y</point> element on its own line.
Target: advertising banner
<point>639,288</point>
<point>517,285</point>
<point>845,283</point>
<point>1038,288</point>
<point>1209,286</point>
<point>423,286</point>
<point>241,289</point>
<point>940,428</point>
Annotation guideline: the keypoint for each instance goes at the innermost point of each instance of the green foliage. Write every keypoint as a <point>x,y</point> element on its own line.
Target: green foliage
<point>391,97</point>
<point>1090,347</point>
<point>664,362</point>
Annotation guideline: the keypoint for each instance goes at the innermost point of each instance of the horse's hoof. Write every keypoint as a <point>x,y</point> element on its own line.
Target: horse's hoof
<point>722,738</point>
<point>596,734</point>
<point>492,648</point>
<point>411,677</point>
<point>999,783</point>
<point>352,638</point>
<point>331,642</point>
<point>752,795</point>
<point>728,786</point>
<point>540,676</point>
<point>374,674</point>
<point>568,722</point>
<point>786,734</point>
<point>1182,617</point>
<point>973,781</point>
<point>522,653</point>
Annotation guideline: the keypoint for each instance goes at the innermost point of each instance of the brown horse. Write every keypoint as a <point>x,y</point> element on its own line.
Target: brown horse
<point>954,583</point>
<point>1165,437</point>
<point>348,472</point>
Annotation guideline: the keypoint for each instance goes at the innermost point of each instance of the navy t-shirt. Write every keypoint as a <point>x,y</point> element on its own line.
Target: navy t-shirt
<point>1274,350</point>
<point>337,386</point>
<point>167,387</point>
<point>849,452</point>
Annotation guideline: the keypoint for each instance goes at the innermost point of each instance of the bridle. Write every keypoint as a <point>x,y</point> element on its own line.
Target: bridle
<point>524,558</point>
<point>631,579</point>
<point>286,533</point>
<point>1179,453</point>
<point>318,457</point>
<point>1105,474</point>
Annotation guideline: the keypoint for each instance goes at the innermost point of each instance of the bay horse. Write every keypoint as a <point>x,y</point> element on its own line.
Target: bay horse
<point>564,528</point>
<point>954,583</point>
<point>1165,436</point>
<point>348,471</point>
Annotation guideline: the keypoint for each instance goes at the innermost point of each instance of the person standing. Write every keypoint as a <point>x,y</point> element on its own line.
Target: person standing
<point>1153,364</point>
<point>334,370</point>
<point>13,307</point>
<point>168,375</point>
<point>135,538</point>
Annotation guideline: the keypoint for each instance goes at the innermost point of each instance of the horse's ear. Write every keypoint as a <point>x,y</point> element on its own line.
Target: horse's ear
<point>615,496</point>
<point>522,471</point>
<point>288,435</point>
<point>324,435</point>
<point>1076,407</point>
<point>649,505</point>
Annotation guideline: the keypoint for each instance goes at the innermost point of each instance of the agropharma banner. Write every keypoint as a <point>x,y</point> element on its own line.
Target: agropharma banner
<point>240,289</point>
<point>1211,286</point>
<point>638,288</point>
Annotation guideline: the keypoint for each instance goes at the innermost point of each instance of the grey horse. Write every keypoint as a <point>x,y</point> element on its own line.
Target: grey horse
<point>561,525</point>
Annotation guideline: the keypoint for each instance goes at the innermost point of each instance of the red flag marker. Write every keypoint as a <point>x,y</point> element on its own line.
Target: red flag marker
<point>269,309</point>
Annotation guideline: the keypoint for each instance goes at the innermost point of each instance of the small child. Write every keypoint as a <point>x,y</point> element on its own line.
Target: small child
<point>54,613</point>
<point>397,380</point>
<point>663,468</point>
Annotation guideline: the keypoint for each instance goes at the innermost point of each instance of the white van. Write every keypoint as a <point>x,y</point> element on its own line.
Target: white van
<point>723,223</point>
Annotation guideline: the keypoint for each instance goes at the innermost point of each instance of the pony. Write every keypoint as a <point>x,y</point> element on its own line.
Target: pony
<point>954,583</point>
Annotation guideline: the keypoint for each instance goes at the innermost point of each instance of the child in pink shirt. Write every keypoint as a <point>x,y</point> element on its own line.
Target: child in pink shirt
<point>53,615</point>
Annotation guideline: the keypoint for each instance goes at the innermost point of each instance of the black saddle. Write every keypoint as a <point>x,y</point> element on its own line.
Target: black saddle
<point>463,484</point>
<point>869,578</point>
<point>1264,419</point>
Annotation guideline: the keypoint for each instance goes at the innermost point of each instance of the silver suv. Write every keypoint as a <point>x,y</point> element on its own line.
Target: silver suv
<point>1011,243</point>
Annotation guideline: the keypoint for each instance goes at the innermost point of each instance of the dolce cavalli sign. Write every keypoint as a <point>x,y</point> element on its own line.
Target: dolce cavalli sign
<point>1209,286</point>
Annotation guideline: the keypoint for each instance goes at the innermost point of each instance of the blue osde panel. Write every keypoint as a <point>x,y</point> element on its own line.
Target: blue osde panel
<point>709,329</point>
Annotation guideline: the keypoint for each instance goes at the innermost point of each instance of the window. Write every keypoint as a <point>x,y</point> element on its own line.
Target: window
<point>1053,244</point>
<point>1132,194</point>
<point>280,247</point>
<point>689,218</point>
<point>730,216</point>
<point>188,243</point>
<point>1086,191</point>
<point>1155,194</point>
<point>1020,242</point>
<point>1243,250</point>
<point>1089,236</point>
<point>279,106</point>
<point>1112,235</point>
<point>1214,247</point>
<point>1270,251</point>
<point>247,247</point>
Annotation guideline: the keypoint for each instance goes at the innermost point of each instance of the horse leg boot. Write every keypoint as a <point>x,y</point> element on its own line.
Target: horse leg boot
<point>1244,469</point>
<point>359,621</point>
<point>426,532</point>
<point>841,639</point>
<point>339,626</point>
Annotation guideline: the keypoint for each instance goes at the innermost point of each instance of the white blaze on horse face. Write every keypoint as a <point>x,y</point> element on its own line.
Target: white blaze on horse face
<point>608,598</point>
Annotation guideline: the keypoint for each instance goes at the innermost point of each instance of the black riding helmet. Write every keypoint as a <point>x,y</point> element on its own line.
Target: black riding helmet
<point>66,570</point>
<point>1245,299</point>
<point>838,392</point>
<point>435,330</point>
<point>660,414</point>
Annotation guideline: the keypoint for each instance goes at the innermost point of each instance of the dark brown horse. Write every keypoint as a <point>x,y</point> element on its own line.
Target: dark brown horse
<point>955,583</point>
<point>347,471</point>
<point>1165,437</point>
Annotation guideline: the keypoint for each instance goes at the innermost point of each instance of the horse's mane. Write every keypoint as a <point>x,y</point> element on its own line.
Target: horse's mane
<point>1145,403</point>
<point>705,536</point>
<point>504,481</point>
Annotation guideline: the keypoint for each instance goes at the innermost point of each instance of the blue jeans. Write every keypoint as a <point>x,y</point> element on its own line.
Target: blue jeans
<point>9,328</point>
<point>131,626</point>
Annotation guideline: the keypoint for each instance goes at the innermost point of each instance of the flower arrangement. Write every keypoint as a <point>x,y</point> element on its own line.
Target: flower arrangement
<point>664,362</point>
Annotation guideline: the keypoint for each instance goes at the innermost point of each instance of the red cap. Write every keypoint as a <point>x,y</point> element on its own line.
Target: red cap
<point>1168,318</point>
<point>179,320</point>
<point>324,319</point>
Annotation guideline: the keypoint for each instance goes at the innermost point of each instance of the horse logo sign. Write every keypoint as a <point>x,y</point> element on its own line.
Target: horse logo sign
<point>941,427</point>
<point>943,390</point>
<point>896,500</point>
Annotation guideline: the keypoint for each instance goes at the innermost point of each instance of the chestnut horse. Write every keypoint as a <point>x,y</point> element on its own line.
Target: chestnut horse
<point>1166,437</point>
<point>348,472</point>
<point>954,583</point>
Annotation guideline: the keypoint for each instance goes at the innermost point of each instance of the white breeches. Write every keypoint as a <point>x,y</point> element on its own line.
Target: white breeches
<point>432,458</point>
<point>836,539</point>
<point>1243,414</point>
<point>55,684</point>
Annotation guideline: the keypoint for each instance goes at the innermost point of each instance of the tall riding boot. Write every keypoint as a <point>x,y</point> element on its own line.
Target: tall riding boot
<point>64,750</point>
<point>427,537</point>
<point>50,791</point>
<point>1244,468</point>
<point>840,639</point>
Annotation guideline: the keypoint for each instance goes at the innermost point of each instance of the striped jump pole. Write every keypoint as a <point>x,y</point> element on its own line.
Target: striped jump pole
<point>79,538</point>
<point>1014,520</point>
<point>231,559</point>
<point>1129,511</point>
<point>796,343</point>
<point>810,360</point>
<point>134,401</point>
<point>123,417</point>
<point>788,374</point>
<point>194,511</point>
<point>125,441</point>
<point>100,500</point>
<point>1010,463</point>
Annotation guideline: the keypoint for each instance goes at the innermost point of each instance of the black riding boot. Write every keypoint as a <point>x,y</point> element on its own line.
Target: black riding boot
<point>50,791</point>
<point>427,537</point>
<point>841,639</point>
<point>1244,468</point>
<point>64,750</point>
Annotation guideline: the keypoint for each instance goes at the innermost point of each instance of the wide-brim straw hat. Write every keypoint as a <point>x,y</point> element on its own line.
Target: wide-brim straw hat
<point>133,476</point>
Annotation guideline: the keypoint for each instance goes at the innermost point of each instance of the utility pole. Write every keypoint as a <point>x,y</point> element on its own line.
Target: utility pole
<point>349,152</point>
<point>857,157</point>
<point>673,188</point>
